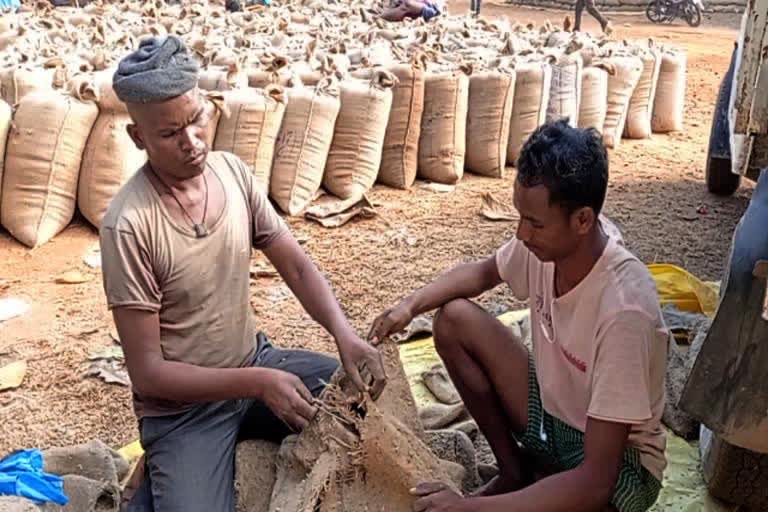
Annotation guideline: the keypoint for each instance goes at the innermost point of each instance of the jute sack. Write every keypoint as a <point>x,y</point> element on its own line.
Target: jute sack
<point>442,142</point>
<point>303,144</point>
<point>529,107</point>
<point>17,82</point>
<point>400,158</point>
<point>565,90</point>
<point>594,98</point>
<point>251,130</point>
<point>622,79</point>
<point>490,110</point>
<point>43,156</point>
<point>110,157</point>
<point>6,115</point>
<point>220,78</point>
<point>669,103</point>
<point>641,104</point>
<point>355,154</point>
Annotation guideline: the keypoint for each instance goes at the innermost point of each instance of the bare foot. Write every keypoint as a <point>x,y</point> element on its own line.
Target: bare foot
<point>608,29</point>
<point>498,485</point>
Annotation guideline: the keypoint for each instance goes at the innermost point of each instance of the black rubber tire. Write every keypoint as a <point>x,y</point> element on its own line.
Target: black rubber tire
<point>654,11</point>
<point>736,475</point>
<point>693,15</point>
<point>720,180</point>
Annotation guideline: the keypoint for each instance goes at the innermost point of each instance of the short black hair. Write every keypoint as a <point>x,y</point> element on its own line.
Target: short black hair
<point>571,163</point>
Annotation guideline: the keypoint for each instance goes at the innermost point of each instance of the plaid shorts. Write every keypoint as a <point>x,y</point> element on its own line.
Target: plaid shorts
<point>561,446</point>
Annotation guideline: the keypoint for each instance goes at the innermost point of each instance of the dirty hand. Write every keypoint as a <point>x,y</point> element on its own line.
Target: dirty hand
<point>358,358</point>
<point>288,398</point>
<point>436,497</point>
<point>389,322</point>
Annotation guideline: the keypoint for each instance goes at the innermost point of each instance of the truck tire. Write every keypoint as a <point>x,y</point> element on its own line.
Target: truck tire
<point>736,475</point>
<point>720,180</point>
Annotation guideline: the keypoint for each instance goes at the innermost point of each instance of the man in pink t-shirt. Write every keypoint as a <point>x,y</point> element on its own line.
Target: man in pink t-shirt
<point>585,406</point>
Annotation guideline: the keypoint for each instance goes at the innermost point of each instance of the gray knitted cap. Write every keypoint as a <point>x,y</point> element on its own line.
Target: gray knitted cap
<point>161,68</point>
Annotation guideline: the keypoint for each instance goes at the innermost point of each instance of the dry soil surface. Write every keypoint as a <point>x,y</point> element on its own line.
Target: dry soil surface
<point>657,196</point>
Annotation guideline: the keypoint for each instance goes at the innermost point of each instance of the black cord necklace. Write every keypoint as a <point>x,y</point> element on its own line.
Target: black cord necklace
<point>201,230</point>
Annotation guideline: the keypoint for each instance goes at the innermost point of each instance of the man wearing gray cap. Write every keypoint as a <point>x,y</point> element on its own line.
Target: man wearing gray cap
<point>176,245</point>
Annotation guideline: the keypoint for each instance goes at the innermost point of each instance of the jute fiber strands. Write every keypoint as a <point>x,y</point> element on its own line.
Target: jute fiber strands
<point>110,157</point>
<point>529,107</point>
<point>442,143</point>
<point>594,98</point>
<point>303,144</point>
<point>669,102</point>
<point>42,165</point>
<point>355,154</point>
<point>491,94</point>
<point>251,129</point>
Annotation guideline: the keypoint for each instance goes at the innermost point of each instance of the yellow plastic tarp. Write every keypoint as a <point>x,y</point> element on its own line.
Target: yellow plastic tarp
<point>681,288</point>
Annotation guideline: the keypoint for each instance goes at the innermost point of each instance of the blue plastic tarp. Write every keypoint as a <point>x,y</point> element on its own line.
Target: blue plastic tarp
<point>21,474</point>
<point>9,4</point>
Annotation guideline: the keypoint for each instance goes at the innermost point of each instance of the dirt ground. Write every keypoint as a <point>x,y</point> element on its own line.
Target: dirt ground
<point>657,196</point>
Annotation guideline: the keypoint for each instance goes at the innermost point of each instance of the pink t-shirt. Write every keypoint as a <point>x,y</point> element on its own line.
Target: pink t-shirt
<point>601,349</point>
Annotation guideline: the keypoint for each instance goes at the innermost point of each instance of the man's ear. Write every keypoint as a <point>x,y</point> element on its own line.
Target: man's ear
<point>583,219</point>
<point>133,132</point>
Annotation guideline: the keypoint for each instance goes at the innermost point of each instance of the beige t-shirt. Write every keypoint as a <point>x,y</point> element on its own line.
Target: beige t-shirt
<point>198,286</point>
<point>601,349</point>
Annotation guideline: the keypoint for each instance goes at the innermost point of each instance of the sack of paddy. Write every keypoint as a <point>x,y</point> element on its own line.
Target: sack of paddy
<point>624,73</point>
<point>442,142</point>
<point>222,78</point>
<point>110,157</point>
<point>400,155</point>
<point>594,97</point>
<point>43,156</point>
<point>17,82</point>
<point>491,94</point>
<point>529,107</point>
<point>565,89</point>
<point>669,103</point>
<point>355,154</point>
<point>302,145</point>
<point>638,124</point>
<point>251,129</point>
<point>6,116</point>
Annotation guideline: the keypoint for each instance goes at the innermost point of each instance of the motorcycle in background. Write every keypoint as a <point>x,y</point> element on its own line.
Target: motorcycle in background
<point>667,11</point>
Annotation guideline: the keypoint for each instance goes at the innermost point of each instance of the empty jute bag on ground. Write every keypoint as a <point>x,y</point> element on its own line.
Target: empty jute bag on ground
<point>490,110</point>
<point>565,90</point>
<point>400,157</point>
<point>358,139</point>
<point>669,103</point>
<point>594,97</point>
<point>623,76</point>
<point>43,155</point>
<point>529,108</point>
<point>110,157</point>
<point>638,124</point>
<point>6,114</point>
<point>251,129</point>
<point>442,142</point>
<point>303,145</point>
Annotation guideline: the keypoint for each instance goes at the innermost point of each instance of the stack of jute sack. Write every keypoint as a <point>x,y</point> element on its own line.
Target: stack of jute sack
<point>319,95</point>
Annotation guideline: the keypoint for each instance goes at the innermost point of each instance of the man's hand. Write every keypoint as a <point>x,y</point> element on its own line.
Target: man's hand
<point>390,321</point>
<point>359,357</point>
<point>288,398</point>
<point>436,497</point>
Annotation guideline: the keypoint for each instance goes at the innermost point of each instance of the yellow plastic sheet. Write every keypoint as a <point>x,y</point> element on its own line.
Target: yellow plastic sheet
<point>681,288</point>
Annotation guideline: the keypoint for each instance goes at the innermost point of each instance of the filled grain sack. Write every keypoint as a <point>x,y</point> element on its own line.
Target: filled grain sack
<point>669,103</point>
<point>43,156</point>
<point>565,89</point>
<point>251,129</point>
<point>442,142</point>
<point>17,82</point>
<point>491,94</point>
<point>529,107</point>
<point>624,73</point>
<point>594,97</point>
<point>355,154</point>
<point>303,144</point>
<point>638,124</point>
<point>110,157</point>
<point>222,78</point>
<point>6,115</point>
<point>400,158</point>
